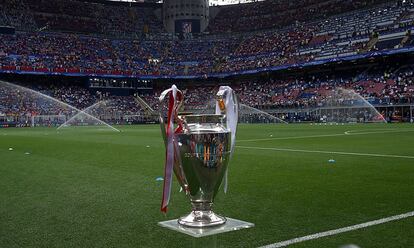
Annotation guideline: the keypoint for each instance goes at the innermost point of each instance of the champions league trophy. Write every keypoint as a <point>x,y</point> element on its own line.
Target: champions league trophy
<point>198,151</point>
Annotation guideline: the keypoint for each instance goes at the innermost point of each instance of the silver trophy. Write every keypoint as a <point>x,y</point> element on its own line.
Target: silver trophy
<point>202,147</point>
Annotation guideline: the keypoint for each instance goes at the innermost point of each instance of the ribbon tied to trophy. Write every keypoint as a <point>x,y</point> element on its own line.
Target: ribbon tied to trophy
<point>198,151</point>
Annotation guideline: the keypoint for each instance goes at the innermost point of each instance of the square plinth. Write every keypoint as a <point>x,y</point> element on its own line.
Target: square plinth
<point>230,225</point>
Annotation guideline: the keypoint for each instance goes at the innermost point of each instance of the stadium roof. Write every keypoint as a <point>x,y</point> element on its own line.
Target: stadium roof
<point>212,2</point>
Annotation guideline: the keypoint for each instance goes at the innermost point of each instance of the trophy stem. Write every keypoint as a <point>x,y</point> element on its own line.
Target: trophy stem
<point>201,206</point>
<point>201,216</point>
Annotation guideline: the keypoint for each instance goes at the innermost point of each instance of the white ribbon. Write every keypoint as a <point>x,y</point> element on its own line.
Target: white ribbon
<point>232,115</point>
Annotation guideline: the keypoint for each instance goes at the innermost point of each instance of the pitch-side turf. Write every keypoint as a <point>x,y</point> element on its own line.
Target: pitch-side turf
<point>86,187</point>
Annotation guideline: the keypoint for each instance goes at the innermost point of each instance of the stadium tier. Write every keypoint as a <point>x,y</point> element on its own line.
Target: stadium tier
<point>372,31</point>
<point>97,17</point>
<point>277,14</point>
<point>292,99</point>
<point>363,33</point>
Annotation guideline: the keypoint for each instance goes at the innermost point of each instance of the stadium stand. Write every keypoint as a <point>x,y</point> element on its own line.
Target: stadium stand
<point>16,14</point>
<point>379,87</point>
<point>80,17</point>
<point>98,39</point>
<point>276,14</point>
<point>379,28</point>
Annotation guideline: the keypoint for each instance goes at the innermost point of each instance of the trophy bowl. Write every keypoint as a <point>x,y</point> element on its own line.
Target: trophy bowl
<point>204,148</point>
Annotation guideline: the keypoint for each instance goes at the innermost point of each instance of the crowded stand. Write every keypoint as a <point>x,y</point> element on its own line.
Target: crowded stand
<point>276,14</point>
<point>79,17</point>
<point>103,40</point>
<point>383,27</point>
<point>21,104</point>
<point>380,88</point>
<point>16,14</point>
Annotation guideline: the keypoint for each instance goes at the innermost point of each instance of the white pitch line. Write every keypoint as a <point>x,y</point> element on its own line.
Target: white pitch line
<point>293,137</point>
<point>340,230</point>
<point>347,133</point>
<point>362,133</point>
<point>375,129</point>
<point>327,152</point>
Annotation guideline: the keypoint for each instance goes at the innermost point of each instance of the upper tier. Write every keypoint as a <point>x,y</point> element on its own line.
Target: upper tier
<point>383,27</point>
<point>133,20</point>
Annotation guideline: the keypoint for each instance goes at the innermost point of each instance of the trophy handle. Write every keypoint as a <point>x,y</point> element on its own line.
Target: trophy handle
<point>179,104</point>
<point>176,107</point>
<point>228,105</point>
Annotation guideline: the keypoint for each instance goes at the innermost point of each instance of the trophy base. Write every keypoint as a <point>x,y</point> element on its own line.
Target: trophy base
<point>198,232</point>
<point>201,219</point>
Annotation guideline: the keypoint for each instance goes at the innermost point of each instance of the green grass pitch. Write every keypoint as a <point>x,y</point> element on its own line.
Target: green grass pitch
<point>85,187</point>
